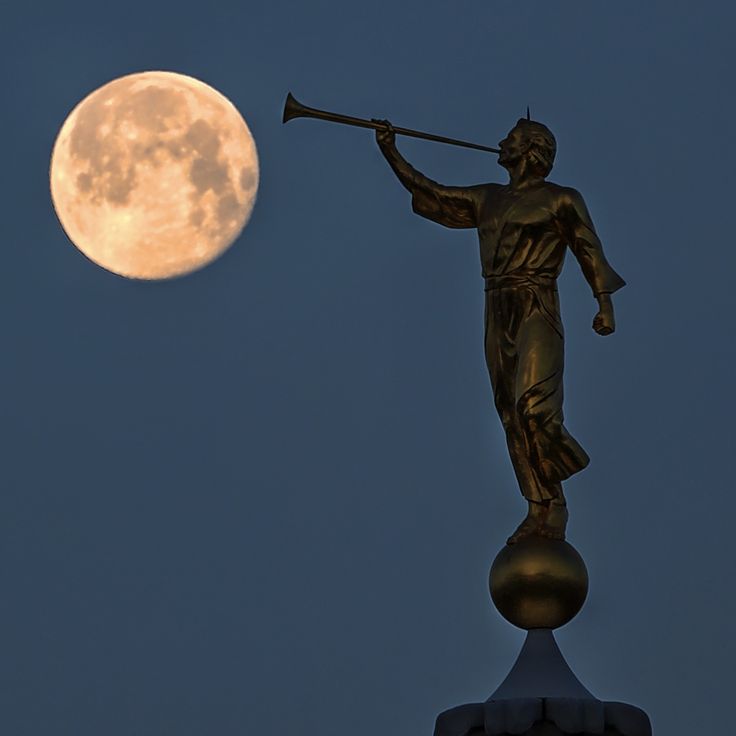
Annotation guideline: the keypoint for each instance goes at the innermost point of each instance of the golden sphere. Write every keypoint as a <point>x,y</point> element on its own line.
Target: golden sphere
<point>538,583</point>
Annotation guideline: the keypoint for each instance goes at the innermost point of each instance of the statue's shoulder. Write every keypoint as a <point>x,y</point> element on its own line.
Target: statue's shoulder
<point>558,190</point>
<point>487,191</point>
<point>562,195</point>
<point>482,189</point>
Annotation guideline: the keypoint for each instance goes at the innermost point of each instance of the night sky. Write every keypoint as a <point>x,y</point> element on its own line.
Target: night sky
<point>264,498</point>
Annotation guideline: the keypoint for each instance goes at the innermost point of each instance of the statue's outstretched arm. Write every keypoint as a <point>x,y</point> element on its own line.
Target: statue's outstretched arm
<point>455,207</point>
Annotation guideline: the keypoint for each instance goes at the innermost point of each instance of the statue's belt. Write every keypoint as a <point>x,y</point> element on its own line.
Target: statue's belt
<point>515,281</point>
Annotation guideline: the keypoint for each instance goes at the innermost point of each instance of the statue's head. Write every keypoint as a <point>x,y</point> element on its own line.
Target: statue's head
<point>531,140</point>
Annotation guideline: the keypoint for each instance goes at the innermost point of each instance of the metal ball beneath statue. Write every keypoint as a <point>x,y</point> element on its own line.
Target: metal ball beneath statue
<point>538,583</point>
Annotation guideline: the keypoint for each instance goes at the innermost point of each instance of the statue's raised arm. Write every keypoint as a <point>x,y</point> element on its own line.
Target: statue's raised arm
<point>456,207</point>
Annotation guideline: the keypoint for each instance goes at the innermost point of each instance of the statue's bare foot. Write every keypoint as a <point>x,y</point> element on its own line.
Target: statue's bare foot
<point>555,523</point>
<point>531,525</point>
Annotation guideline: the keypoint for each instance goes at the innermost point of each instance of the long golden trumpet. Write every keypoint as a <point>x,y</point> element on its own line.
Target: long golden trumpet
<point>294,109</point>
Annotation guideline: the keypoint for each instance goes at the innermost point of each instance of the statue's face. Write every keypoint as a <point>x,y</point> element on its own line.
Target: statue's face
<point>513,147</point>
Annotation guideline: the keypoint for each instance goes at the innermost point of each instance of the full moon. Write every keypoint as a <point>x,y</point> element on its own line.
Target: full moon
<point>154,175</point>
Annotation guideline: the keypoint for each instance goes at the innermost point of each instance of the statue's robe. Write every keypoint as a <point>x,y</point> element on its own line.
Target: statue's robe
<point>523,240</point>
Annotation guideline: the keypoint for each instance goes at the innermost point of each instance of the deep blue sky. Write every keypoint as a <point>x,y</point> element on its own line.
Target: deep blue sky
<point>264,498</point>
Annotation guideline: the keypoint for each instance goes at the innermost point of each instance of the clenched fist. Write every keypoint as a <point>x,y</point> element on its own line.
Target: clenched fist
<point>604,322</point>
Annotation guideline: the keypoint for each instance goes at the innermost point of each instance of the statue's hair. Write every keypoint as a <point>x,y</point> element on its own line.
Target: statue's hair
<point>543,145</point>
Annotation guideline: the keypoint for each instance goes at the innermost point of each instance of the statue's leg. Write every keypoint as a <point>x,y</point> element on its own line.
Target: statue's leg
<point>502,361</point>
<point>554,454</point>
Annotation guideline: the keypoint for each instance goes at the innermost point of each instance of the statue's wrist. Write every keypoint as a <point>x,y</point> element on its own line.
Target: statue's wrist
<point>604,300</point>
<point>389,150</point>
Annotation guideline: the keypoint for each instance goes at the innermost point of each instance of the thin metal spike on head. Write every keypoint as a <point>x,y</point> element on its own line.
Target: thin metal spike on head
<point>528,116</point>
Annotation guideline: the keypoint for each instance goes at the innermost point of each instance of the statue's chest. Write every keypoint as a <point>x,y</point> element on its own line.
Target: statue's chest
<point>509,214</point>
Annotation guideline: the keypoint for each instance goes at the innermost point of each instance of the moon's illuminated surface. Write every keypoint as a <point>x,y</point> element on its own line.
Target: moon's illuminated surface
<point>154,175</point>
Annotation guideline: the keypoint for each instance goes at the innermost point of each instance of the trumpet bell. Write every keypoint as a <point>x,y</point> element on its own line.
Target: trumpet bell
<point>293,108</point>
